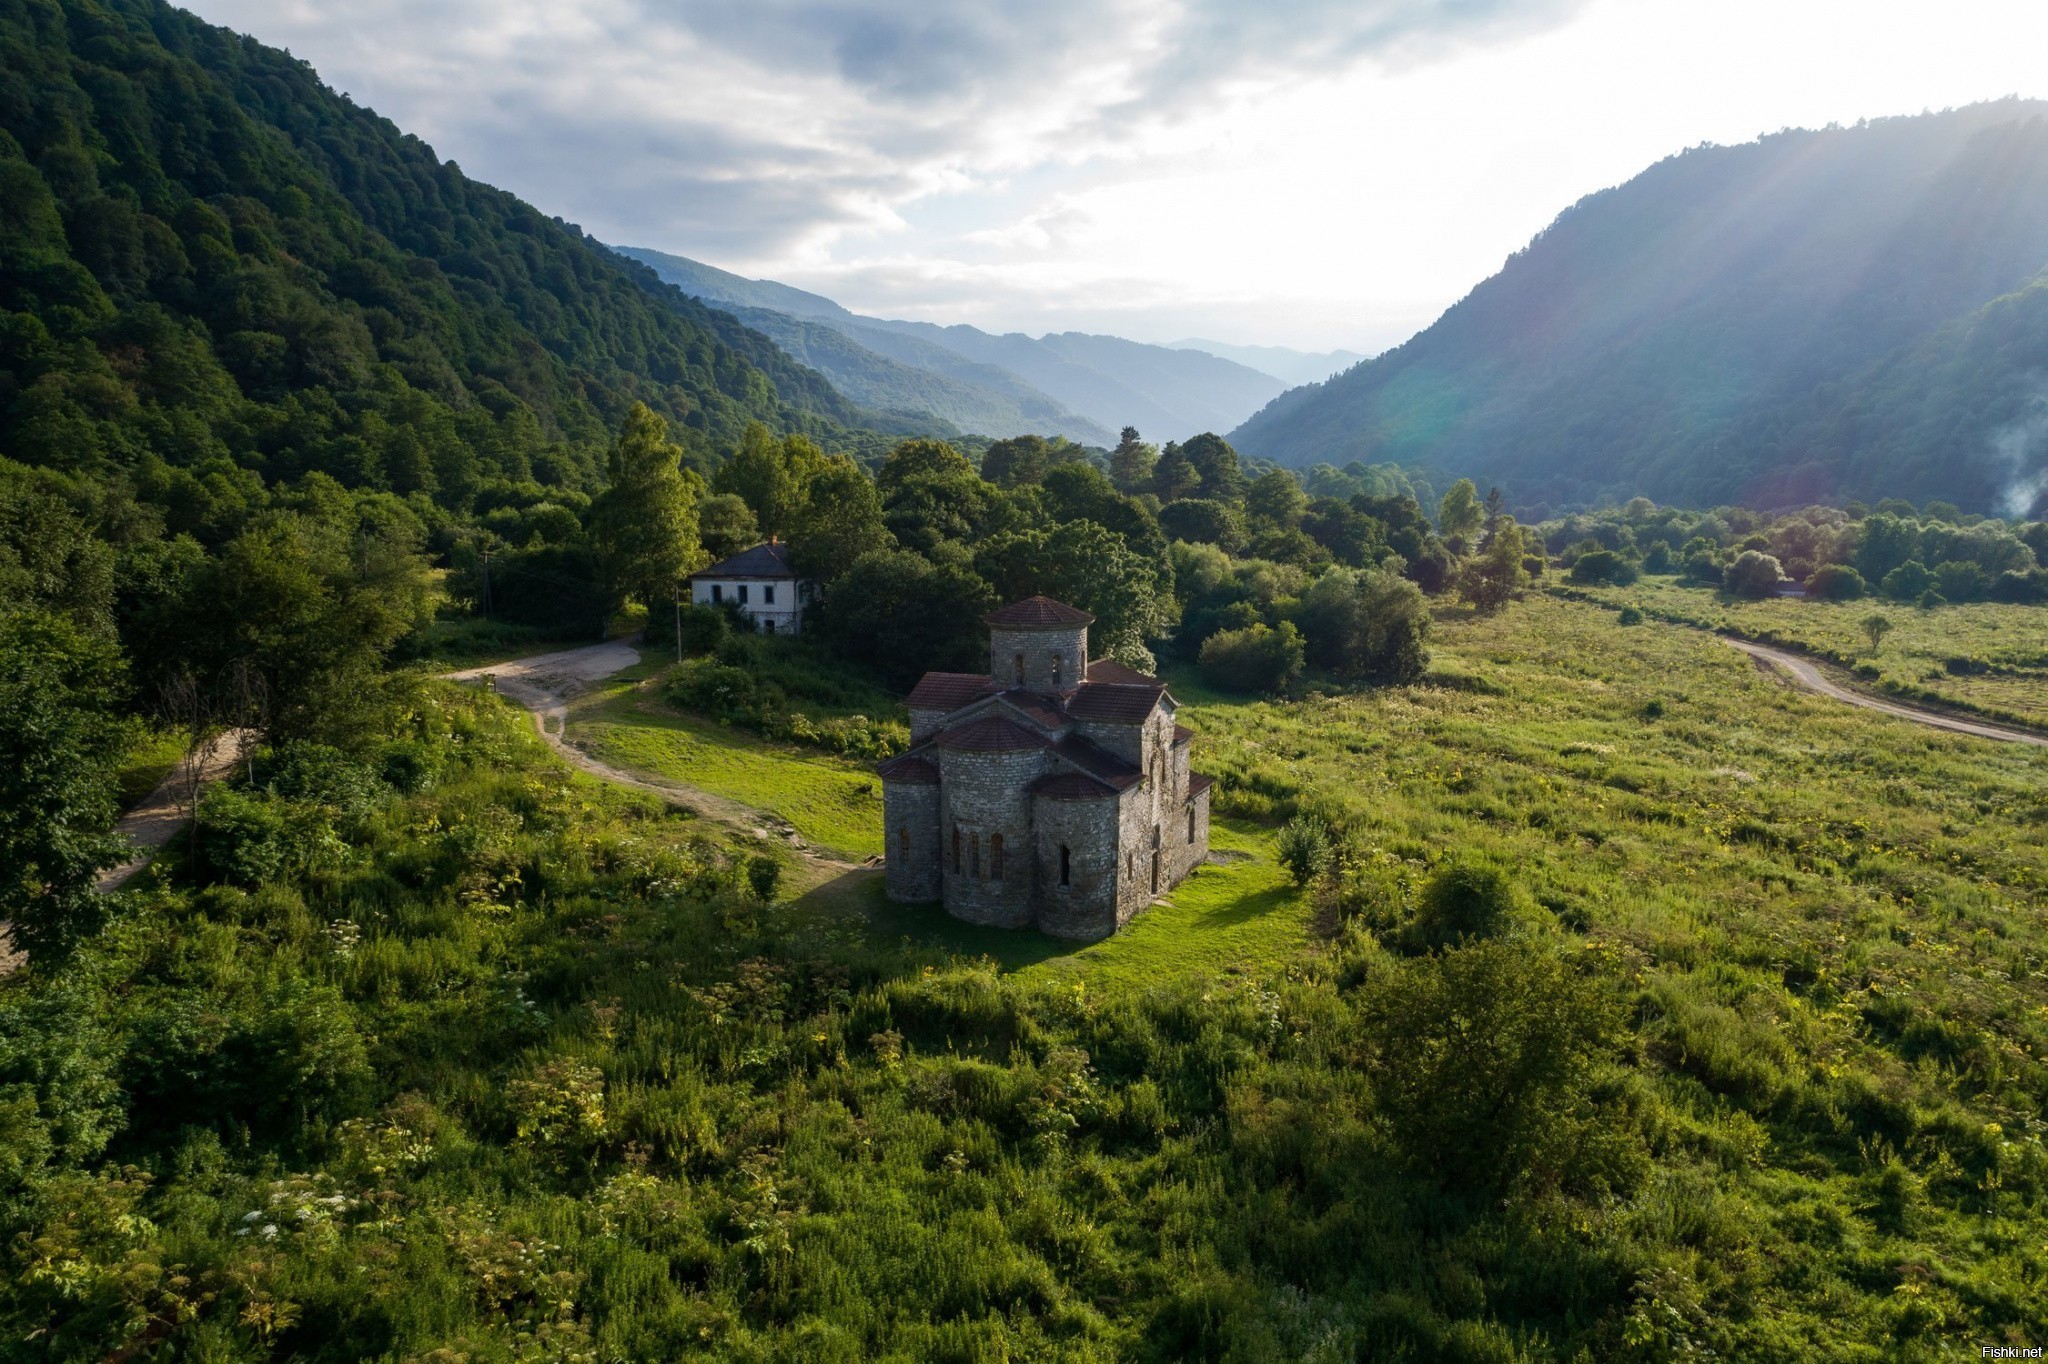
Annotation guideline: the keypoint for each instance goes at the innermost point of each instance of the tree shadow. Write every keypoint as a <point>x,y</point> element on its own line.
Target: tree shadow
<point>861,895</point>
<point>1252,906</point>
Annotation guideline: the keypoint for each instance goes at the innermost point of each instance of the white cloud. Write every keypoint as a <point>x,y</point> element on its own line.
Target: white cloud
<point>1308,172</point>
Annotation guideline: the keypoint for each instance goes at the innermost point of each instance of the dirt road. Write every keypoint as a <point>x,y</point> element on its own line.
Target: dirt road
<point>1804,672</point>
<point>545,685</point>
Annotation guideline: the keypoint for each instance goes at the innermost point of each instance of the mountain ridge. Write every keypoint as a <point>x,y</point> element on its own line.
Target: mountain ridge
<point>1103,383</point>
<point>1728,325</point>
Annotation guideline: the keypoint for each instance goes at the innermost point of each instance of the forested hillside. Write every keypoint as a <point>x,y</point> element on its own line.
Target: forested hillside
<point>212,262</point>
<point>1845,313</point>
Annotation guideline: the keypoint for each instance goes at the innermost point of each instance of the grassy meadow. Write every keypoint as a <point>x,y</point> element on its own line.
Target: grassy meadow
<point>1982,656</point>
<point>504,1064</point>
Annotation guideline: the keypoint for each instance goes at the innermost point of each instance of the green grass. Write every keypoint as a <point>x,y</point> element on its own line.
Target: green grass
<point>1242,917</point>
<point>2011,639</point>
<point>146,763</point>
<point>834,805</point>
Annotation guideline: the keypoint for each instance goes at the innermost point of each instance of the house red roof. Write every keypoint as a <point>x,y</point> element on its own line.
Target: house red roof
<point>1035,708</point>
<point>1071,786</point>
<point>948,691</point>
<point>1197,784</point>
<point>911,771</point>
<point>1038,613</point>
<point>1182,735</point>
<point>1097,761</point>
<point>992,734</point>
<point>1109,670</point>
<point>1116,702</point>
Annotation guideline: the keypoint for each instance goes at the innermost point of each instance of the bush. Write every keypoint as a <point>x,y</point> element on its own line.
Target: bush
<point>1256,660</point>
<point>1961,580</point>
<point>1485,1061</point>
<point>1603,566</point>
<point>1629,615</point>
<point>1659,559</point>
<point>1304,848</point>
<point>1463,900</point>
<point>704,629</point>
<point>1703,568</point>
<point>1835,582</point>
<point>764,874</point>
<point>1754,574</point>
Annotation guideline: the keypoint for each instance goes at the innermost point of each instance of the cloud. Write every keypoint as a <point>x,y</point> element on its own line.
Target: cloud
<point>771,129</point>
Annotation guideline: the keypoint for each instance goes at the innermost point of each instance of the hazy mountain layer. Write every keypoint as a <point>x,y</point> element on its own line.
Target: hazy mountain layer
<point>1825,314</point>
<point>1284,363</point>
<point>1103,383</point>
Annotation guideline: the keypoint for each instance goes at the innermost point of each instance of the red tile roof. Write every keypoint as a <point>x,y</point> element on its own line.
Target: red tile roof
<point>1071,786</point>
<point>1117,702</point>
<point>949,691</point>
<point>1038,709</point>
<point>910,771</point>
<point>1109,670</point>
<point>1038,613</point>
<point>1096,761</point>
<point>1182,735</point>
<point>1197,784</point>
<point>992,734</point>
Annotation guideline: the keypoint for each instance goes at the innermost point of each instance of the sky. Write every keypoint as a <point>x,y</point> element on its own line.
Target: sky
<point>1310,173</point>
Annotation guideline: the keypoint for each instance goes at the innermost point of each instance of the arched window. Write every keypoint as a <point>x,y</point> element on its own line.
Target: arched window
<point>995,857</point>
<point>1191,822</point>
<point>1020,669</point>
<point>903,841</point>
<point>1066,866</point>
<point>956,850</point>
<point>974,855</point>
<point>1056,670</point>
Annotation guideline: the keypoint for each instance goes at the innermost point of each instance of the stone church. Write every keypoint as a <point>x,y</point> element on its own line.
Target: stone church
<point>1050,792</point>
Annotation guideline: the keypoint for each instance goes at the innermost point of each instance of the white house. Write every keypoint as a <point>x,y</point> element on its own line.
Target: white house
<point>760,582</point>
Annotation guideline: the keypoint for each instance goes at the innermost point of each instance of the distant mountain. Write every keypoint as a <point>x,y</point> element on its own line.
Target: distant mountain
<point>1283,363</point>
<point>1093,385</point>
<point>1847,313</point>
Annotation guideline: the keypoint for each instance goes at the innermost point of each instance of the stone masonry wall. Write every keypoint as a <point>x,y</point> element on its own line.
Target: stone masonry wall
<point>1086,907</point>
<point>910,874</point>
<point>984,795</point>
<point>1040,648</point>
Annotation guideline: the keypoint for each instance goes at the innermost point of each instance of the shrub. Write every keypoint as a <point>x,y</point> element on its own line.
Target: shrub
<point>1659,559</point>
<point>1629,615</point>
<point>1875,627</point>
<point>1304,848</point>
<point>1603,566</point>
<point>1961,580</point>
<point>1754,574</point>
<point>704,629</point>
<point>1366,623</point>
<point>1260,659</point>
<point>1703,568</point>
<point>1835,582</point>
<point>1485,1062</point>
<point>764,874</point>
<point>1463,900</point>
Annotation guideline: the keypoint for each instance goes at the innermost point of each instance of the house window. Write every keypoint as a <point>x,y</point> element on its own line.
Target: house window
<point>1020,669</point>
<point>1066,866</point>
<point>1056,670</point>
<point>995,857</point>
<point>1191,823</point>
<point>974,854</point>
<point>717,592</point>
<point>956,850</point>
<point>1130,866</point>
<point>903,840</point>
<point>768,594</point>
<point>769,626</point>
<point>743,594</point>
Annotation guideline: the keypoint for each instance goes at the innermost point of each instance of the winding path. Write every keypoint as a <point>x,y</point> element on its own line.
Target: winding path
<point>1805,673</point>
<point>546,683</point>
